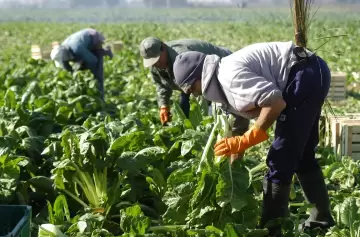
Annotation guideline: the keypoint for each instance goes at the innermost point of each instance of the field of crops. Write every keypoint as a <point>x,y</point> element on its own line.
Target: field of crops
<point>91,168</point>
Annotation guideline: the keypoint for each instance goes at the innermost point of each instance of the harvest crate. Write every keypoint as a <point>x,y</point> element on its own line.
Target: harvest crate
<point>337,91</point>
<point>55,43</point>
<point>36,52</point>
<point>331,132</point>
<point>15,221</point>
<point>117,46</point>
<point>350,139</point>
<point>42,52</point>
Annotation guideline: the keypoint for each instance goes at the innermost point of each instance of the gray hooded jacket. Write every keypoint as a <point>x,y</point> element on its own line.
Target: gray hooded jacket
<point>248,79</point>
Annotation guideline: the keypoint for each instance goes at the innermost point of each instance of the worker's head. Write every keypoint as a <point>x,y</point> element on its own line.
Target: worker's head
<point>154,53</point>
<point>60,54</point>
<point>188,69</point>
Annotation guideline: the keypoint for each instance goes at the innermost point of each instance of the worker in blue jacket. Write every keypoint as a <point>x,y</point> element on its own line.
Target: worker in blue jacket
<point>85,48</point>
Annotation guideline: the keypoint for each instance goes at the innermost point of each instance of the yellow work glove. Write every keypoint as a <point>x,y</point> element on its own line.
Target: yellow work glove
<point>237,144</point>
<point>164,114</point>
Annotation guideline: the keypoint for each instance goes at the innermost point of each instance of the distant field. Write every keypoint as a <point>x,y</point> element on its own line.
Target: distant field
<point>100,15</point>
<point>233,28</point>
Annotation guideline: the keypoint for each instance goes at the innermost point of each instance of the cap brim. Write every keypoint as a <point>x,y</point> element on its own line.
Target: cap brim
<point>148,62</point>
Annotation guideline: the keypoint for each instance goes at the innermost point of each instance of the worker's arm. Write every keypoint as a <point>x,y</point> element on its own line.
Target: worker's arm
<point>163,92</point>
<point>269,114</point>
<point>89,59</point>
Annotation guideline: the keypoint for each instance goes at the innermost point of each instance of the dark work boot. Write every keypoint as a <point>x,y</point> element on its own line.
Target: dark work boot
<point>315,192</point>
<point>275,205</point>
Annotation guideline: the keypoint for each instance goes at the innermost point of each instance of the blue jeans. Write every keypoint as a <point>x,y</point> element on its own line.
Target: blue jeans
<point>98,72</point>
<point>297,128</point>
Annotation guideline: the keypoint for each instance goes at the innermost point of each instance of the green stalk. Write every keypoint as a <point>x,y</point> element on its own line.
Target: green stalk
<point>75,198</point>
<point>113,197</point>
<point>258,168</point>
<point>207,148</point>
<point>87,185</point>
<point>89,195</point>
<point>100,182</point>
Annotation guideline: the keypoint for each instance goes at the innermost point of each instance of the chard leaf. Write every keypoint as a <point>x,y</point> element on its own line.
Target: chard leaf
<point>230,231</point>
<point>133,141</point>
<point>181,186</point>
<point>186,147</point>
<point>42,184</point>
<point>232,190</point>
<point>156,181</point>
<point>202,202</point>
<point>212,231</point>
<point>7,189</point>
<point>349,211</point>
<point>134,221</point>
<point>135,161</point>
<point>204,190</point>
<point>10,99</point>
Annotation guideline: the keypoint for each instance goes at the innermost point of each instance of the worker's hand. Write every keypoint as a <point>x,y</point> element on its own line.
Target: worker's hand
<point>165,115</point>
<point>238,144</point>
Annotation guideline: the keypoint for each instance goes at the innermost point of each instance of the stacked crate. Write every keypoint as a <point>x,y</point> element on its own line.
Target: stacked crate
<point>42,52</point>
<point>343,135</point>
<point>36,52</point>
<point>337,91</point>
<point>350,139</point>
<point>117,46</point>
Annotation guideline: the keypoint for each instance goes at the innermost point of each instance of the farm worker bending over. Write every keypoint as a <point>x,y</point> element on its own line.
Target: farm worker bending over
<point>85,48</point>
<point>274,81</point>
<point>160,57</point>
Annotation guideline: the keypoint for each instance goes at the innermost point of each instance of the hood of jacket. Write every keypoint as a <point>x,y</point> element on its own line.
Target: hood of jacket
<point>210,86</point>
<point>214,91</point>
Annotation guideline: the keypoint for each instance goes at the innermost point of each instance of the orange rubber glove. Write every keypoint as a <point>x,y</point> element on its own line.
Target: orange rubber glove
<point>164,114</point>
<point>237,144</point>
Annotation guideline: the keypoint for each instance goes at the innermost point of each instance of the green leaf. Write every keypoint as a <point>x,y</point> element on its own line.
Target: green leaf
<point>42,184</point>
<point>230,231</point>
<point>146,156</point>
<point>212,231</point>
<point>156,181</point>
<point>204,190</point>
<point>10,100</point>
<point>181,186</point>
<point>187,146</point>
<point>133,141</point>
<point>133,221</point>
<point>232,190</point>
<point>349,211</point>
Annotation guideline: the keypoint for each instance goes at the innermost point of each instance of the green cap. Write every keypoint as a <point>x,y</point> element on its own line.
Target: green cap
<point>150,50</point>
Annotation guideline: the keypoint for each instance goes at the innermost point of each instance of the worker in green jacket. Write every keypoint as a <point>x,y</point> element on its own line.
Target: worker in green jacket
<point>160,56</point>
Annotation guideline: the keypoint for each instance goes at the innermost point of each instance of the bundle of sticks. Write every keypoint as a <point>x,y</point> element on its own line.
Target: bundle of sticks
<point>301,20</point>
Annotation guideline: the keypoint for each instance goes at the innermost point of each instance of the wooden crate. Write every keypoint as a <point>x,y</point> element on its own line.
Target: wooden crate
<point>337,90</point>
<point>332,130</point>
<point>42,52</point>
<point>55,43</point>
<point>350,139</point>
<point>117,46</point>
<point>36,51</point>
